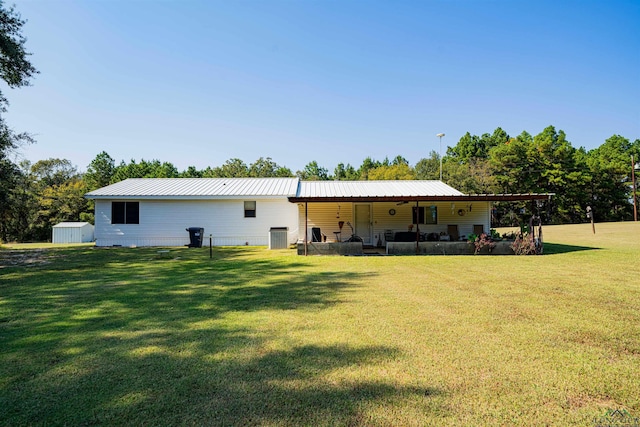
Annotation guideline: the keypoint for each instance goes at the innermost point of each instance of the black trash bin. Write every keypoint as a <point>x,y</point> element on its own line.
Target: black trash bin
<point>195,237</point>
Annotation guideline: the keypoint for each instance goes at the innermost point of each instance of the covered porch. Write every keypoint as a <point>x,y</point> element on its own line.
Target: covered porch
<point>404,217</point>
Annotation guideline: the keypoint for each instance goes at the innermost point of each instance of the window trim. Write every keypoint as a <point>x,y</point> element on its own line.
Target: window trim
<point>130,212</point>
<point>248,212</point>
<point>425,216</point>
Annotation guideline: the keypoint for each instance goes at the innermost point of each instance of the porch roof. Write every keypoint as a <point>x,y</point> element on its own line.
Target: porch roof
<point>396,191</point>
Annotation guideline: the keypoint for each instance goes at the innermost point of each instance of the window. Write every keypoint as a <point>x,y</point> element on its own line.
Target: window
<point>125,213</point>
<point>425,215</point>
<point>249,209</point>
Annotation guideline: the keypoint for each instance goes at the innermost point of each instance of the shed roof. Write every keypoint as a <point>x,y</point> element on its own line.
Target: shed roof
<point>71,224</point>
<point>197,188</point>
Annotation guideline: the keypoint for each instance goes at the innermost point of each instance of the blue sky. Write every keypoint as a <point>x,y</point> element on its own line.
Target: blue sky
<point>200,82</point>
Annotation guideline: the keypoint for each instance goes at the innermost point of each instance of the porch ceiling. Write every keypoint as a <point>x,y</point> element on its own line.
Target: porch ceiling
<point>440,198</point>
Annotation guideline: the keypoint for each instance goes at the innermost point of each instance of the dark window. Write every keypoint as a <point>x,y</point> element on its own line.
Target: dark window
<point>132,213</point>
<point>117,212</point>
<point>427,215</point>
<point>125,213</point>
<point>249,209</point>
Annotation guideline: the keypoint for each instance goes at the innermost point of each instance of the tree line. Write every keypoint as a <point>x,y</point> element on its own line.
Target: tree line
<point>39,195</point>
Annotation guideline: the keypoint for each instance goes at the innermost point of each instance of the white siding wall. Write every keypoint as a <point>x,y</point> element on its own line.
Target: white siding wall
<point>164,222</point>
<point>323,215</point>
<point>480,214</point>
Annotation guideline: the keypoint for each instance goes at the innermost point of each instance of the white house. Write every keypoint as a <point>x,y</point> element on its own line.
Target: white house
<point>157,211</point>
<point>242,211</point>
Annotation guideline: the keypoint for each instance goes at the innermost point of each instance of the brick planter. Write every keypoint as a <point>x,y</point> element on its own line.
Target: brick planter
<point>331,248</point>
<point>446,248</point>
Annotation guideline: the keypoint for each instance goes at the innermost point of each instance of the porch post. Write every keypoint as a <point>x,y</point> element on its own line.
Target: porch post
<point>306,227</point>
<point>417,228</point>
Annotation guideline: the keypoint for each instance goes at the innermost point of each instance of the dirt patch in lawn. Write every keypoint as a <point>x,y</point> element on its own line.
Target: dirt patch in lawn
<point>30,258</point>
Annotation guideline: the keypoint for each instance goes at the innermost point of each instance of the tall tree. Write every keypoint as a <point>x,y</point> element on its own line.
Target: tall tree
<point>144,169</point>
<point>58,190</point>
<point>232,168</point>
<point>52,172</point>
<point>473,177</point>
<point>428,168</point>
<point>473,147</point>
<point>13,216</point>
<point>399,160</point>
<point>100,171</point>
<point>266,168</point>
<point>400,171</point>
<point>61,202</point>
<point>546,163</point>
<point>468,146</point>
<point>15,70</point>
<point>313,172</point>
<point>191,172</point>
<point>610,187</point>
<point>345,173</point>
<point>367,164</point>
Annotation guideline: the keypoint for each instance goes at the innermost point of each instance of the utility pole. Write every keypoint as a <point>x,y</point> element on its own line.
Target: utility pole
<point>440,135</point>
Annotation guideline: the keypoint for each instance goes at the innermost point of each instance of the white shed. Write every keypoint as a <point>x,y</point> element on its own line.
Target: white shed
<point>72,232</point>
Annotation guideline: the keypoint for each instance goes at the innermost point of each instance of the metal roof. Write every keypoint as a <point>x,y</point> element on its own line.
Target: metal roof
<point>295,190</point>
<point>374,189</point>
<point>71,224</point>
<point>197,188</point>
<point>395,191</point>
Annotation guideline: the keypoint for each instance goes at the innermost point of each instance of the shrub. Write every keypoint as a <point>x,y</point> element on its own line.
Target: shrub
<point>524,244</point>
<point>481,241</point>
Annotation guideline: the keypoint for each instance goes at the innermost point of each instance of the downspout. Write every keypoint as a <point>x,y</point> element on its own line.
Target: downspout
<point>306,227</point>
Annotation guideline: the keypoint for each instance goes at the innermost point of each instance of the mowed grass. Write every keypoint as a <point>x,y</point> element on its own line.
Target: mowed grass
<point>92,336</point>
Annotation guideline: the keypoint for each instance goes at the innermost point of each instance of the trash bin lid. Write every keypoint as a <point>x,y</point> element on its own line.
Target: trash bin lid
<point>279,229</point>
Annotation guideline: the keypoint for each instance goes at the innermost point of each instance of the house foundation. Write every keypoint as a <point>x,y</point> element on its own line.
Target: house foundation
<point>331,248</point>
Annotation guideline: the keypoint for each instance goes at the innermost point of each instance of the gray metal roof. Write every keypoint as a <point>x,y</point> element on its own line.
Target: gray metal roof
<point>197,188</point>
<point>67,224</point>
<point>294,189</point>
<point>374,189</point>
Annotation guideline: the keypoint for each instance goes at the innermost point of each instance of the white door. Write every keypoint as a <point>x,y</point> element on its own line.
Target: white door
<point>363,222</point>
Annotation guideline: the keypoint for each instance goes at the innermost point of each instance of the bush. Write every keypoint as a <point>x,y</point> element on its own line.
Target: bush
<point>481,241</point>
<point>525,244</point>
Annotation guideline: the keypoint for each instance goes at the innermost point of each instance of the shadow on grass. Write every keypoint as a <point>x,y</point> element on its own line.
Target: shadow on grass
<point>120,337</point>
<point>559,248</point>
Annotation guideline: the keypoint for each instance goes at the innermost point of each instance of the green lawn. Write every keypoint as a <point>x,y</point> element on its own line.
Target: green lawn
<point>93,336</point>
